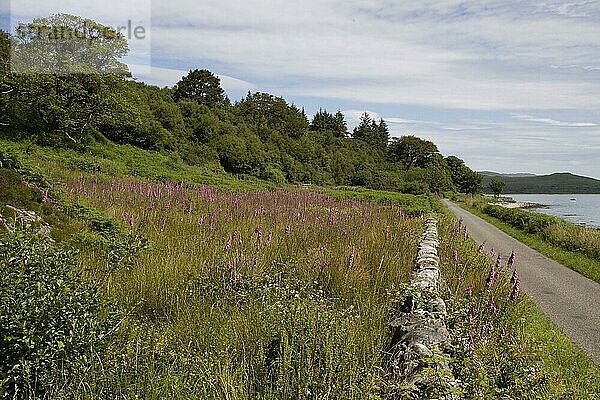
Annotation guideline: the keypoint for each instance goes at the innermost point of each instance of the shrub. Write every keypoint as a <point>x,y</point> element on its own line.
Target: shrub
<point>529,222</point>
<point>50,320</point>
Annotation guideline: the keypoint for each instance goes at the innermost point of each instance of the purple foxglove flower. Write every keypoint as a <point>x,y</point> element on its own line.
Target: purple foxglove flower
<point>481,247</point>
<point>511,260</point>
<point>490,279</point>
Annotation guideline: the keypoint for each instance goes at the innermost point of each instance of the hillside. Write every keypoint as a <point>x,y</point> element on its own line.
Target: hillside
<point>558,183</point>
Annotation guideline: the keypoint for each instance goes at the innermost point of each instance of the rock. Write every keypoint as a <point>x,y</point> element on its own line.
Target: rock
<point>420,334</point>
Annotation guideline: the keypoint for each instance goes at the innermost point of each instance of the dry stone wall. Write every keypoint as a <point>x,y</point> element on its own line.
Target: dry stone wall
<point>419,359</point>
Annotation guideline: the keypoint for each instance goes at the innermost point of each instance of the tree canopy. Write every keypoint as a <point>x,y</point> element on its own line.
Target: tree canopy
<point>327,122</point>
<point>201,86</point>
<point>67,44</point>
<point>497,186</point>
<point>371,132</point>
<point>412,151</point>
<point>262,135</point>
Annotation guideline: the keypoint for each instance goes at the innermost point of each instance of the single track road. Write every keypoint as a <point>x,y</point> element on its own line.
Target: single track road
<point>569,299</point>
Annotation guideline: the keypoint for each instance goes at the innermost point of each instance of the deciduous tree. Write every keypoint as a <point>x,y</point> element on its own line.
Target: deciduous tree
<point>497,186</point>
<point>201,86</point>
<point>412,151</point>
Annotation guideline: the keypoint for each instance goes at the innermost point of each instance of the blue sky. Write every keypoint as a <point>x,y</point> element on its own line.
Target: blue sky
<point>507,86</point>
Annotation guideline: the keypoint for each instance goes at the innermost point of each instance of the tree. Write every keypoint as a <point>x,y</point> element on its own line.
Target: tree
<point>68,67</point>
<point>497,186</point>
<point>363,130</point>
<point>68,44</point>
<point>371,132</point>
<point>412,151</point>
<point>465,179</point>
<point>201,86</point>
<point>326,122</point>
<point>267,113</point>
<point>383,134</point>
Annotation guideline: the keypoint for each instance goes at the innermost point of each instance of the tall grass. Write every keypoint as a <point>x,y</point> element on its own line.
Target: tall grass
<point>282,294</point>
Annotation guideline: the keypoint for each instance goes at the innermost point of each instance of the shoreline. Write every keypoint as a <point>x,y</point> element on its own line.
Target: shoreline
<point>508,202</point>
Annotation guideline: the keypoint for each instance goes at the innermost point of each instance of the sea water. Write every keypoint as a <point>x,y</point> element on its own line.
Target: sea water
<point>581,209</point>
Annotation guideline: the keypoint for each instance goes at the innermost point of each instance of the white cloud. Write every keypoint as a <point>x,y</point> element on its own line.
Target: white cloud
<point>554,122</point>
<point>353,117</point>
<point>525,72</point>
<point>168,77</point>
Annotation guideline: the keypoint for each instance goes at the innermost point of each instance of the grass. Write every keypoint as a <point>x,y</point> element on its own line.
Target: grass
<point>277,295</point>
<point>554,366</point>
<point>245,290</point>
<point>112,160</point>
<point>576,260</point>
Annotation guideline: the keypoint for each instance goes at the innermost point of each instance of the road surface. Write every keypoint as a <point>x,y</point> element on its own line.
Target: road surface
<point>569,299</point>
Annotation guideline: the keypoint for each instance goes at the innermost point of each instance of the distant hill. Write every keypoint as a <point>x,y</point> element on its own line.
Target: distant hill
<point>558,183</point>
<point>517,175</point>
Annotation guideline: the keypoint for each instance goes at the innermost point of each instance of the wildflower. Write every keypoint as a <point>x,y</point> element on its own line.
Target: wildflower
<point>45,197</point>
<point>516,290</point>
<point>269,239</point>
<point>288,229</point>
<point>499,262</point>
<point>323,247</point>
<point>490,279</point>
<point>471,342</point>
<point>493,253</point>
<point>131,220</point>
<point>511,260</point>
<point>324,264</point>
<point>492,306</point>
<point>469,291</point>
<point>455,256</point>
<point>228,244</point>
<point>151,206</point>
<point>521,349</point>
<point>474,315</point>
<point>514,277</point>
<point>259,239</point>
<point>481,247</point>
<point>502,335</point>
<point>234,278</point>
<point>162,226</point>
<point>351,257</point>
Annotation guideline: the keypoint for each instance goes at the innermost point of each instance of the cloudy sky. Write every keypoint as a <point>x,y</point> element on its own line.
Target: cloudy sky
<point>509,86</point>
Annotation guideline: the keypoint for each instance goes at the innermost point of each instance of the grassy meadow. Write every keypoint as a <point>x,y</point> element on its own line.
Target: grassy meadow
<point>170,288</point>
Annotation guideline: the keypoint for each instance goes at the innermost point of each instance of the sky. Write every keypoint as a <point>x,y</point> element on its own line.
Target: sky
<point>508,86</point>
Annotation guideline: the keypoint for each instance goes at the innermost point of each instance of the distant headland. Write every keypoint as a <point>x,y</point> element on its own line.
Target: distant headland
<point>557,183</point>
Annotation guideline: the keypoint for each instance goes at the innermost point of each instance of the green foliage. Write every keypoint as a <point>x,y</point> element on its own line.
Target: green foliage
<point>68,44</point>
<point>201,86</point>
<point>412,151</point>
<point>240,153</point>
<point>51,322</point>
<point>326,122</point>
<point>527,221</point>
<point>371,132</point>
<point>267,113</point>
<point>497,186</point>
<point>464,179</point>
<point>10,159</point>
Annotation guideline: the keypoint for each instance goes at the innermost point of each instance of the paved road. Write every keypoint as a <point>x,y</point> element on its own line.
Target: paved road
<point>570,300</point>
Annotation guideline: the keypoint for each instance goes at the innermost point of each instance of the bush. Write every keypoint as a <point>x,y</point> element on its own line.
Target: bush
<point>529,222</point>
<point>50,320</point>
